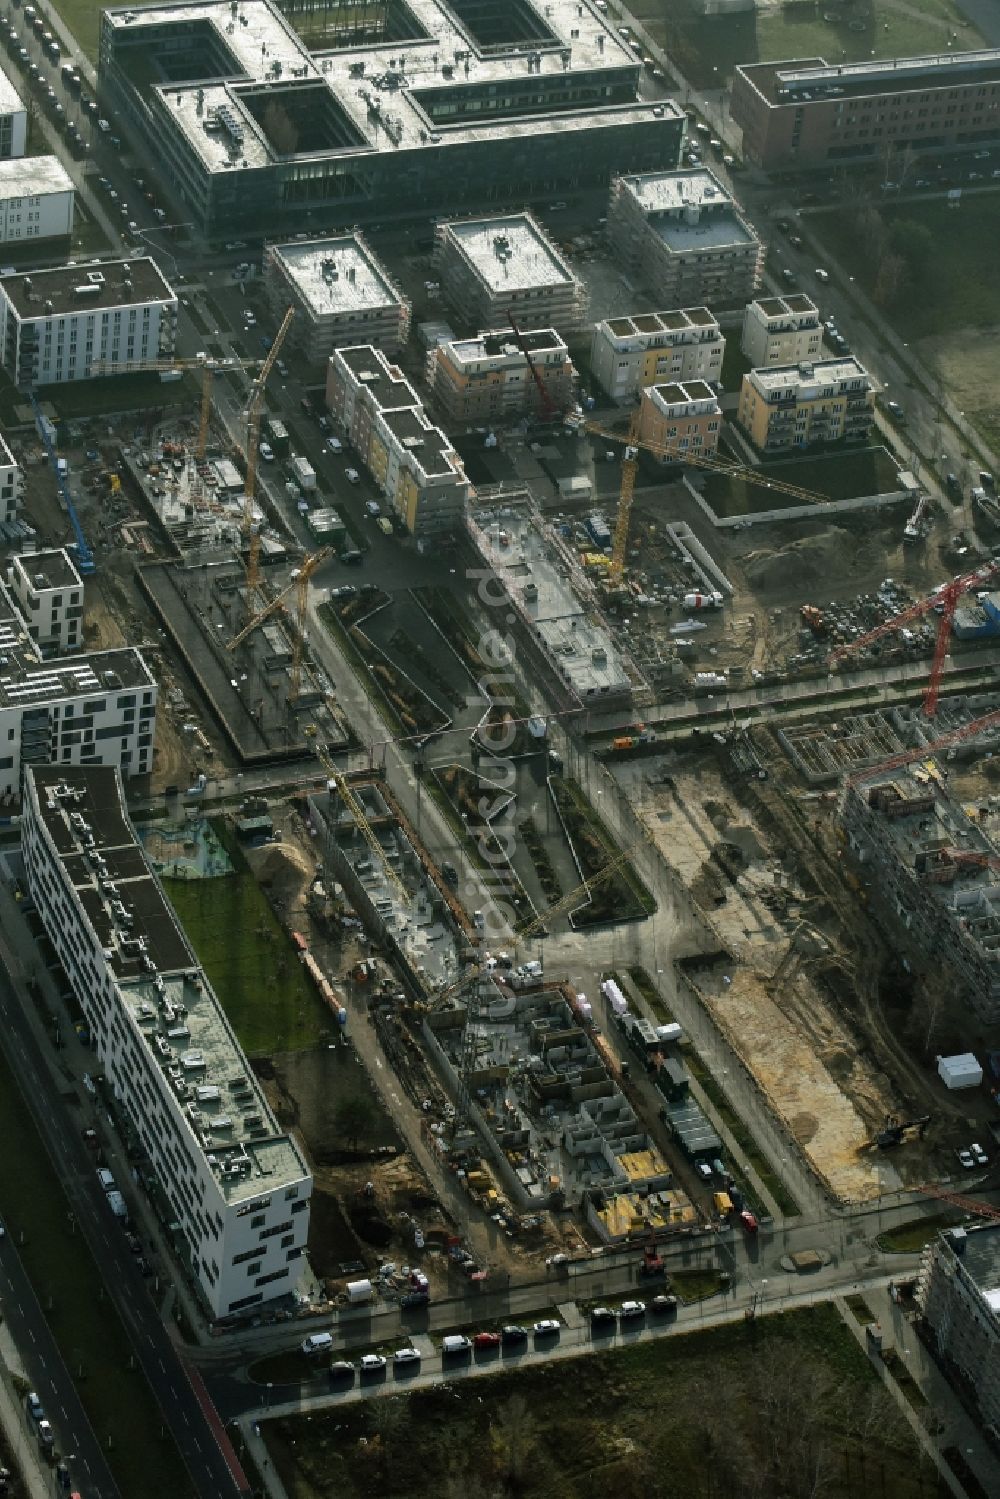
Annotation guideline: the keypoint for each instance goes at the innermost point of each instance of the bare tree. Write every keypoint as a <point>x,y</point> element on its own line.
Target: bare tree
<point>513,1435</point>
<point>280,129</point>
<point>890,279</point>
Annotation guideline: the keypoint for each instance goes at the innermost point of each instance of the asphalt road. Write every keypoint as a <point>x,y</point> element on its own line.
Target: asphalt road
<point>154,1352</point>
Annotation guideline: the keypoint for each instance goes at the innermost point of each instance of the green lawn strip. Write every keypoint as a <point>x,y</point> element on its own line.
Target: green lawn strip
<point>860,1310</point>
<point>685,1414</point>
<point>503,881</point>
<point>135,392</point>
<point>696,1285</point>
<point>249,958</point>
<point>907,1238</point>
<point>354,659</point>
<point>626,874</point>
<point>719,1099</point>
<point>117,1399</point>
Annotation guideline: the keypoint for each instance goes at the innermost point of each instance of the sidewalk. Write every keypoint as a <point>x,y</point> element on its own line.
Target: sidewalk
<point>25,1453</point>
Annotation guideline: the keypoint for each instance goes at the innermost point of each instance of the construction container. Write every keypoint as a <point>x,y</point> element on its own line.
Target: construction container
<point>359,1291</point>
<point>668,1033</point>
<point>703,601</point>
<point>723,1203</point>
<point>961,1071</point>
<point>614,996</point>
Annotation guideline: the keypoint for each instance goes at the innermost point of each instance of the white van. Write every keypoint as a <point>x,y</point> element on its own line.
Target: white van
<point>105,1178</point>
<point>317,1342</point>
<point>62,467</point>
<point>455,1342</point>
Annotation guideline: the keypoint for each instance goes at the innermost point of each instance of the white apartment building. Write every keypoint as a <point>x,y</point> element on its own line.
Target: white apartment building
<point>342,294</point>
<point>13,119</point>
<point>10,483</point>
<point>59,324</point>
<point>413,462</point>
<point>94,709</point>
<point>495,268</point>
<point>236,1183</point>
<point>49,593</point>
<point>685,236</point>
<point>958,1293</point>
<point>629,353</point>
<point>781,330</point>
<point>37,197</point>
<point>489,378</point>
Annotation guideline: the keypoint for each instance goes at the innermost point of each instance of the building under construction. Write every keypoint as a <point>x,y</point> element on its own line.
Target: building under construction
<point>933,875</point>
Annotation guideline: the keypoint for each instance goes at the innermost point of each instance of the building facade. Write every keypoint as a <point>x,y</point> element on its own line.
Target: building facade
<point>237,1185</point>
<point>958,1294</point>
<point>342,294</point>
<point>10,483</point>
<point>682,419</point>
<point>629,353</point>
<point>416,106</point>
<point>57,325</point>
<point>13,120</point>
<point>37,198</point>
<point>793,406</point>
<point>809,114</point>
<point>781,330</point>
<point>496,268</point>
<point>683,234</point>
<point>489,378</point>
<point>412,461</point>
<point>49,593</point>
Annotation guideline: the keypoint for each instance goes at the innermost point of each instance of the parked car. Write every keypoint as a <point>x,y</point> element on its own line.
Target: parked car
<point>406,1356</point>
<point>749,1221</point>
<point>896,411</point>
<point>601,1316</point>
<point>34,1406</point>
<point>266,452</point>
<point>547,1327</point>
<point>822,275</point>
<point>341,1369</point>
<point>513,1334</point>
<point>978,1154</point>
<point>46,1436</point>
<point>373,508</point>
<point>484,1340</point>
<point>335,445</point>
<point>965,1160</point>
<point>630,1311</point>
<point>371,1363</point>
<point>352,476</point>
<point>662,1306</point>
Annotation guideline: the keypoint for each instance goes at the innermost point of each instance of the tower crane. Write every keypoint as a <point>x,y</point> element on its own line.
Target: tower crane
<point>959,1200</point>
<point>550,411</point>
<point>922,751</point>
<point>299,583</point>
<point>357,811</point>
<point>209,369</point>
<point>670,450</point>
<point>944,602</point>
<point>251,534</point>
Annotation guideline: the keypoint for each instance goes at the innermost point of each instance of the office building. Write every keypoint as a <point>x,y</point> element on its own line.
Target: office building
<point>781,330</point>
<point>341,293</point>
<point>13,120</point>
<point>490,379</point>
<point>412,461</point>
<point>49,593</point>
<point>681,419</point>
<point>682,233</point>
<point>407,107</point>
<point>931,878</point>
<point>794,405</point>
<point>809,113</point>
<point>496,268</point>
<point>36,199</point>
<point>958,1295</point>
<point>234,1182</point>
<point>629,353</point>
<point>56,325</point>
<point>10,483</point>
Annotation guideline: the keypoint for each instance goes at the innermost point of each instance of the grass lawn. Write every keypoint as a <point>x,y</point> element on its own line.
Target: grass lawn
<point>833,476</point>
<point>83,18</point>
<point>249,958</point>
<point>135,392</point>
<point>909,1237</point>
<point>784,1399</point>
<point>116,1398</point>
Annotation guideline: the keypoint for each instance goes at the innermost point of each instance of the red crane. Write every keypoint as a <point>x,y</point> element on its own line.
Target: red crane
<point>550,411</point>
<point>906,757</point>
<point>958,1200</point>
<point>944,601</point>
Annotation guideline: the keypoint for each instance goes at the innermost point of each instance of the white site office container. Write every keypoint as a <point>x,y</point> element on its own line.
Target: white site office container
<point>962,1071</point>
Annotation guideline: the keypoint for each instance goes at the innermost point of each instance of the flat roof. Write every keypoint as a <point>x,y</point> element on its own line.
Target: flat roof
<point>650,324</point>
<point>981,1259</point>
<point>54,568</point>
<point>30,175</point>
<point>10,100</point>
<point>670,192</point>
<point>28,682</point>
<point>509,253</point>
<point>813,79</point>
<point>430,448</point>
<point>336,275</point>
<point>504,342</point>
<point>799,376</point>
<point>674,393</point>
<point>390,389</point>
<point>778,307</point>
<point>28,292</point>
<point>165,992</point>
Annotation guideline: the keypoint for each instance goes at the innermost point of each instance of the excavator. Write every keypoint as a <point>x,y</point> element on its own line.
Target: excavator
<point>895,1131</point>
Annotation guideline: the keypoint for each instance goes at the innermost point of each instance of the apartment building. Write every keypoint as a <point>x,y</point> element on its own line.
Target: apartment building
<point>903,829</point>
<point>493,269</point>
<point>10,483</point>
<point>792,406</point>
<point>412,461</point>
<point>342,294</point>
<point>417,107</point>
<point>49,593</point>
<point>57,324</point>
<point>13,120</point>
<point>683,234</point>
<point>809,113</point>
<point>958,1294</point>
<point>490,379</point>
<point>237,1185</point>
<point>37,198</point>
<point>682,419</point>
<point>629,353</point>
<point>781,330</point>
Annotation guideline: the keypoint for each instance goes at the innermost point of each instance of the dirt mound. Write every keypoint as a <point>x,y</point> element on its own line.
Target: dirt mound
<point>281,869</point>
<point>810,559</point>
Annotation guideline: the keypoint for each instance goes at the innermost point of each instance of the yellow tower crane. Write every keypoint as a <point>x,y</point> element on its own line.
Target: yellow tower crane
<point>209,369</point>
<point>357,811</point>
<point>299,582</point>
<point>251,534</point>
<point>630,464</point>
